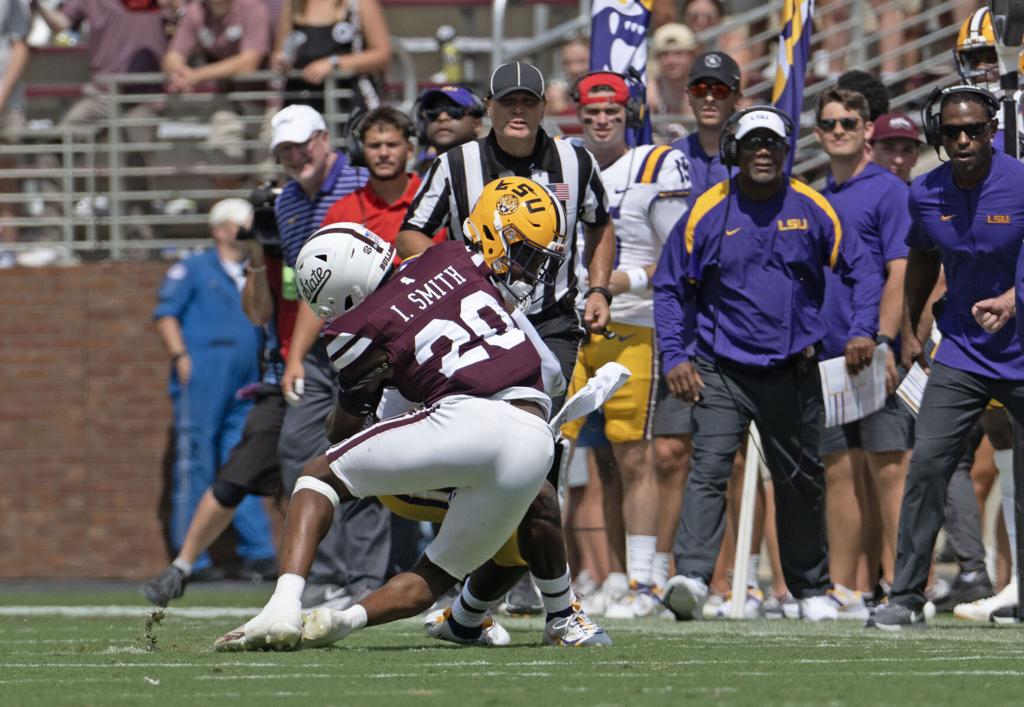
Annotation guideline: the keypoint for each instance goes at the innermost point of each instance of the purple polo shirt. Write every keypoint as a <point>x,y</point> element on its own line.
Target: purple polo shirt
<point>873,207</point>
<point>978,233</point>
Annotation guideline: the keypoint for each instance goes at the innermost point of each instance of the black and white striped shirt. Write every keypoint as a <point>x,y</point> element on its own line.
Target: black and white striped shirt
<point>457,178</point>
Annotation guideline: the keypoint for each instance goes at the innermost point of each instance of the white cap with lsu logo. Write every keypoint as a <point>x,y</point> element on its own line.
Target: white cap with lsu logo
<point>757,119</point>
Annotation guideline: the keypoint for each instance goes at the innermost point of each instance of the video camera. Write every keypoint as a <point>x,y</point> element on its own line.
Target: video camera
<point>264,222</point>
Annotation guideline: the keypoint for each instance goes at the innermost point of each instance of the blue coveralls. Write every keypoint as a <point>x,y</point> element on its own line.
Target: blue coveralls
<point>208,419</point>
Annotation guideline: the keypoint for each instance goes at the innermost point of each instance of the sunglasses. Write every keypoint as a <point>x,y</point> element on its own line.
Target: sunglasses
<point>972,130</point>
<point>454,112</point>
<point>829,124</point>
<point>718,91</point>
<point>758,142</point>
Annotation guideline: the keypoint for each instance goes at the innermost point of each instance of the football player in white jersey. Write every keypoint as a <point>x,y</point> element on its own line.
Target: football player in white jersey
<point>647,190</point>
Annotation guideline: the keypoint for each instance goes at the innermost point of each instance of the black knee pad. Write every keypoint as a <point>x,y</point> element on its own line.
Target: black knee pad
<point>227,494</point>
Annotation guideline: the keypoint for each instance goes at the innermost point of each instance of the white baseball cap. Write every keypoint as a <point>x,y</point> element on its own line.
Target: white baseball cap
<point>237,211</point>
<point>757,119</point>
<point>295,124</point>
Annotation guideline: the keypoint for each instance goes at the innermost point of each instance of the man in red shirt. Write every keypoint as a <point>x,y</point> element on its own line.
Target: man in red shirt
<point>381,141</point>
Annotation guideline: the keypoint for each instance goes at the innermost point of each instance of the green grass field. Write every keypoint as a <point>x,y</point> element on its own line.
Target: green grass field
<point>106,658</point>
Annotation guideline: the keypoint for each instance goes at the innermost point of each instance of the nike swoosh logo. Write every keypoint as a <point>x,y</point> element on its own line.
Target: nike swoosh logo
<point>623,337</point>
<point>947,218</point>
<point>733,231</point>
<point>330,594</point>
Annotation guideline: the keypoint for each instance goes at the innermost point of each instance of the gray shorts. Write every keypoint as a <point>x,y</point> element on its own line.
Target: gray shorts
<point>891,429</point>
<point>672,416</point>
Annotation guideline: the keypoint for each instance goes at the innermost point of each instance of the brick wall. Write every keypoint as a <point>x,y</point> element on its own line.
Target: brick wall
<point>83,422</point>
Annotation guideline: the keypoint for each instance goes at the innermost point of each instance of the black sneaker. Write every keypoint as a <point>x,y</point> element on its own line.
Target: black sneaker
<point>1005,616</point>
<point>965,591</point>
<point>523,599</point>
<point>894,617</point>
<point>169,585</point>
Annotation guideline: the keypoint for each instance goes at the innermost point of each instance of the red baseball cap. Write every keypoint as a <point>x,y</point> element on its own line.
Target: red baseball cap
<point>594,87</point>
<point>895,126</point>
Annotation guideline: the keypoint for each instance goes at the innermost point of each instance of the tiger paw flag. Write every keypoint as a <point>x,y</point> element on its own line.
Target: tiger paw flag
<point>618,42</point>
<point>791,65</point>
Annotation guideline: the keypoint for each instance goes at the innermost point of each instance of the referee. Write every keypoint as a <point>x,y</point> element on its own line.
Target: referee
<point>518,146</point>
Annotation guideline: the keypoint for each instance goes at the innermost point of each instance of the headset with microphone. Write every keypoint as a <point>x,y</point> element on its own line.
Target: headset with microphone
<point>728,145</point>
<point>354,132</point>
<point>931,112</point>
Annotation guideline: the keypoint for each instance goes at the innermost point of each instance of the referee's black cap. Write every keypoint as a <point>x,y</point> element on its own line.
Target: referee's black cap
<point>516,76</point>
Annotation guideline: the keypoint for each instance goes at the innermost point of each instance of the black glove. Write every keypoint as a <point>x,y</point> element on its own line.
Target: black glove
<point>360,398</point>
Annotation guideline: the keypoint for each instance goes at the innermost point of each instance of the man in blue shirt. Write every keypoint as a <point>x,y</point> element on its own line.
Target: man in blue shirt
<point>872,202</point>
<point>214,351</point>
<point>969,218</point>
<point>737,305</point>
<point>319,176</point>
<point>714,89</point>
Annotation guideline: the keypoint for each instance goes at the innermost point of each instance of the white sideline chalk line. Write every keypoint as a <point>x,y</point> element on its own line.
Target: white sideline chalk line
<point>110,612</point>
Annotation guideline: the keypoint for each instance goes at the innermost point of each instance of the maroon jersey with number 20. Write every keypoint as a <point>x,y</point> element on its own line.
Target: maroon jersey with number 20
<point>444,328</point>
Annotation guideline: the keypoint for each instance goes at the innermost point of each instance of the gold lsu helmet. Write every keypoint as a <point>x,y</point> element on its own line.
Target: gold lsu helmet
<point>976,44</point>
<point>519,227</point>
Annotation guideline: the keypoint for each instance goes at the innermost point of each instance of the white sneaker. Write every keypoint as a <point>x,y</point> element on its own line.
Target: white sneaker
<point>711,606</point>
<point>751,605</point>
<point>982,609</point>
<point>784,607</point>
<point>278,627</point>
<point>615,587</point>
<point>322,627</point>
<point>491,633</point>
<point>819,608</point>
<point>638,603</point>
<point>575,630</point>
<point>685,596</point>
<point>849,604</point>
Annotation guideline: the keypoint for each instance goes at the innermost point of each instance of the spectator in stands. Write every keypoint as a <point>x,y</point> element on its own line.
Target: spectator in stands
<point>347,37</point>
<point>836,45</point>
<point>574,57</point>
<point>214,352</point>
<point>674,48</point>
<point>14,26</point>
<point>123,39</point>
<point>445,117</point>
<point>703,16</point>
<point>227,38</point>
<point>343,571</point>
<point>381,141</point>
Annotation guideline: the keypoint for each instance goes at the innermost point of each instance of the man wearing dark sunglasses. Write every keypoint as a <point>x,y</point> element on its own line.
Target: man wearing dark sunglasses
<point>738,294</point>
<point>713,91</point>
<point>969,219</point>
<point>872,203</point>
<point>448,116</point>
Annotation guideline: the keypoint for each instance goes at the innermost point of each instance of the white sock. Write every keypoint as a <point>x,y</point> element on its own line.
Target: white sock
<point>557,593</point>
<point>660,568</point>
<point>354,616</point>
<point>467,610</point>
<point>753,567</point>
<point>182,565</point>
<point>640,557</point>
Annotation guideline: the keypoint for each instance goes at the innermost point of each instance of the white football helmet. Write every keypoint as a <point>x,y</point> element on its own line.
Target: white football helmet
<point>339,266</point>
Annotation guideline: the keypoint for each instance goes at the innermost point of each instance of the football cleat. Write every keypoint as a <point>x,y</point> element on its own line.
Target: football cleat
<point>982,609</point>
<point>819,608</point>
<point>638,603</point>
<point>685,596</point>
<point>784,607</point>
<point>438,625</point>
<point>752,603</point>
<point>894,617</point>
<point>323,626</point>
<point>612,591</point>
<point>849,604</point>
<point>170,584</point>
<point>575,630</point>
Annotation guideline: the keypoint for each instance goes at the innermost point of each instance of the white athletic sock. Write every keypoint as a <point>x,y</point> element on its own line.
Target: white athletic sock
<point>467,610</point>
<point>354,616</point>
<point>182,565</point>
<point>753,567</point>
<point>640,557</point>
<point>556,594</point>
<point>660,569</point>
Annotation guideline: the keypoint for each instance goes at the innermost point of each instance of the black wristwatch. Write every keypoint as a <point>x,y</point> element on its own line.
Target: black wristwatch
<point>600,290</point>
<point>883,339</point>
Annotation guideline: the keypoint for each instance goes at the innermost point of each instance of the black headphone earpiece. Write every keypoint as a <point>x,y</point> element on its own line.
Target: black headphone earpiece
<point>636,110</point>
<point>931,118</point>
<point>354,139</point>
<point>477,110</point>
<point>728,145</point>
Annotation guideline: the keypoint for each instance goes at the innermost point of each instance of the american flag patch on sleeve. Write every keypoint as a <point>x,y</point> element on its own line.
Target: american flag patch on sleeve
<point>561,190</point>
